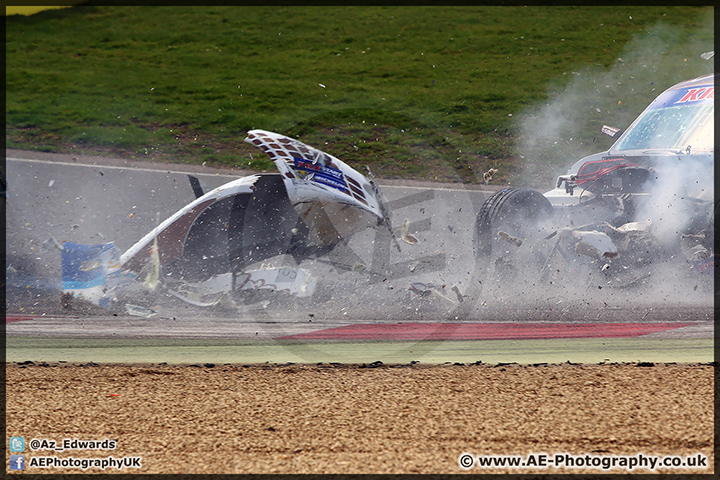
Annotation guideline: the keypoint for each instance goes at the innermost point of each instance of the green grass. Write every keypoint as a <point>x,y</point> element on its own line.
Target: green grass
<point>244,351</point>
<point>414,92</point>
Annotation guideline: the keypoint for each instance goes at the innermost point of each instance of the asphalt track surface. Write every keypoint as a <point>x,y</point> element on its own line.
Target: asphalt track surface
<point>413,313</point>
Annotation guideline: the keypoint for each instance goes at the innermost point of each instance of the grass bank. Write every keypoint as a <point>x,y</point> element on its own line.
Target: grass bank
<point>417,92</point>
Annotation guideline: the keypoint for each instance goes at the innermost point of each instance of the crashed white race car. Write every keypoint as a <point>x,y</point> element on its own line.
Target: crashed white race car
<point>617,216</point>
<point>204,251</point>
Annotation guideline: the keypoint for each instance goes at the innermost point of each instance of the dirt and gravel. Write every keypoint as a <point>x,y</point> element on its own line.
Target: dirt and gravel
<point>333,418</point>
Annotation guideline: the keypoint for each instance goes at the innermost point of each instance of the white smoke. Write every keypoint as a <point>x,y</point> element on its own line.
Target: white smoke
<point>567,127</point>
<point>682,194</point>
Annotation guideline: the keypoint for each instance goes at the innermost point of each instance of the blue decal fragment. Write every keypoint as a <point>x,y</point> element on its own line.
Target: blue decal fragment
<point>85,266</point>
<point>91,271</point>
<point>320,173</point>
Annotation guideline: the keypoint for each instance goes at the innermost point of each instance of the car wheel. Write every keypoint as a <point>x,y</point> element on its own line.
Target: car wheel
<point>507,228</point>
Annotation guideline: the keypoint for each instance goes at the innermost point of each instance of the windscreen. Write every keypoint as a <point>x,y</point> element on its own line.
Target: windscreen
<point>680,120</point>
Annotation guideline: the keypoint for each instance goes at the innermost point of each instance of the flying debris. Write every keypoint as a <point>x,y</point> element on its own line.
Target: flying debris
<point>218,243</point>
<point>407,236</point>
<point>488,176</point>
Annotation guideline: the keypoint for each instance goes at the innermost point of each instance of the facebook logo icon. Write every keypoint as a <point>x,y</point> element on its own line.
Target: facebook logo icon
<point>17,462</point>
<point>17,444</point>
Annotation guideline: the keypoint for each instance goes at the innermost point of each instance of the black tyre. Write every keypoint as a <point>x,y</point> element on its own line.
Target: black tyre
<point>515,209</point>
<point>509,220</point>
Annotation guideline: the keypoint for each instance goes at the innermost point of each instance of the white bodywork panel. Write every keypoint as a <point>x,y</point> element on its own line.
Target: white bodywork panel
<point>241,185</point>
<point>558,197</point>
<point>292,281</point>
<point>594,244</point>
<point>332,198</point>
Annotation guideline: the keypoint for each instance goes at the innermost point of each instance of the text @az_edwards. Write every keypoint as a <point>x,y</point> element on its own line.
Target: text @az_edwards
<point>71,444</point>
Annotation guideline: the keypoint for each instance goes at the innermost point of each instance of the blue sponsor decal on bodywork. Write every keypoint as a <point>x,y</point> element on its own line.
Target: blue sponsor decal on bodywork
<point>685,96</point>
<point>318,172</point>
